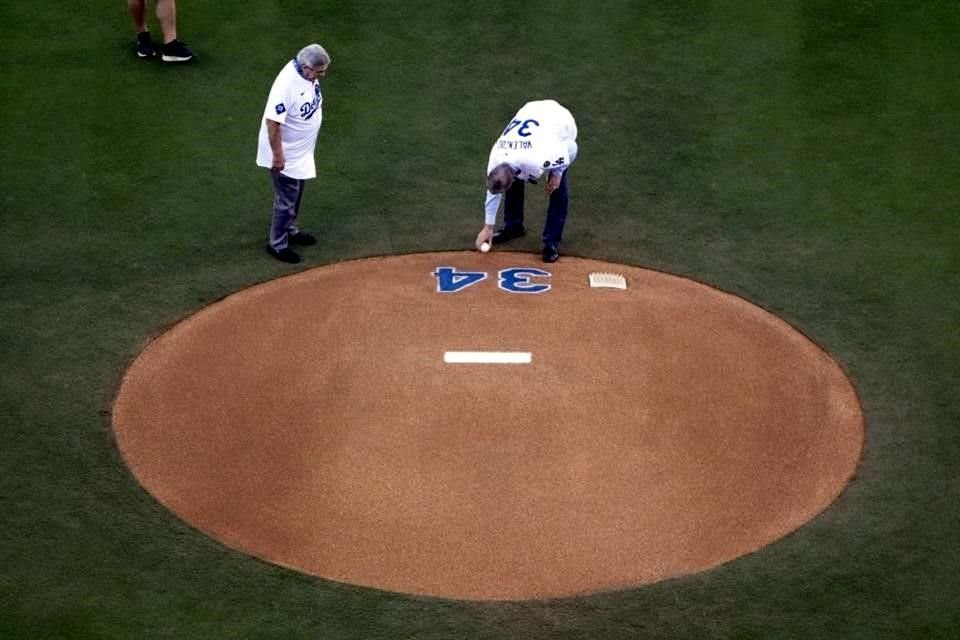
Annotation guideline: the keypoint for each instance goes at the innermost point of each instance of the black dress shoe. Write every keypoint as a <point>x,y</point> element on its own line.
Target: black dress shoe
<point>550,253</point>
<point>302,238</point>
<point>286,254</point>
<point>508,233</point>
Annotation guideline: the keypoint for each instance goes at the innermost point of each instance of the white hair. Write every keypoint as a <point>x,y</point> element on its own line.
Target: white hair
<point>500,178</point>
<point>313,56</point>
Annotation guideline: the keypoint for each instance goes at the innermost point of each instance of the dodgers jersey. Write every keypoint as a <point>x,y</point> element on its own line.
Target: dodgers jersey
<point>297,104</point>
<point>540,138</point>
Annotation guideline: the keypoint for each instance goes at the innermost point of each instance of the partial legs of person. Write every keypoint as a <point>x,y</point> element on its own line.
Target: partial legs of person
<point>145,46</point>
<point>167,15</point>
<point>172,49</point>
<point>138,11</point>
<point>512,214</point>
<point>556,219</point>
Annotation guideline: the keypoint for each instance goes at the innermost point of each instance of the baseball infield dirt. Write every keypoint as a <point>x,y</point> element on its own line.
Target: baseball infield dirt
<point>655,431</point>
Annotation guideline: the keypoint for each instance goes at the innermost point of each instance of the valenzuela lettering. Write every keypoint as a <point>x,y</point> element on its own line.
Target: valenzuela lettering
<point>514,145</point>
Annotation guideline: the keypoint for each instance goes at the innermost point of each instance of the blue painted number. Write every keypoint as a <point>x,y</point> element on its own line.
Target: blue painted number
<point>449,280</point>
<point>517,280</point>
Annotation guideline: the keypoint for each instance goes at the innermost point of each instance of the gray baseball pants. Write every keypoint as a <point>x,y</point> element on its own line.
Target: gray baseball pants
<point>287,195</point>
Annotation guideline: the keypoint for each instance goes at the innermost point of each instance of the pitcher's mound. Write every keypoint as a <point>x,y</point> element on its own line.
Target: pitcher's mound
<point>645,432</point>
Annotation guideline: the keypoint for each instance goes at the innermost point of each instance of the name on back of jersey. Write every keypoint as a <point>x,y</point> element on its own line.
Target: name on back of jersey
<point>514,145</point>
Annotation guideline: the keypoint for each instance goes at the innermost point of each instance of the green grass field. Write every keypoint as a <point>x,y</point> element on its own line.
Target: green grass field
<point>802,154</point>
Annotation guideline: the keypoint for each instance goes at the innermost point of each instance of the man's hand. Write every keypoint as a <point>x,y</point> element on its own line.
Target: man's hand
<point>553,182</point>
<point>485,235</point>
<point>279,162</point>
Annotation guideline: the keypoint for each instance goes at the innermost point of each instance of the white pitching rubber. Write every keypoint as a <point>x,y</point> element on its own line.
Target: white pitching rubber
<point>487,357</point>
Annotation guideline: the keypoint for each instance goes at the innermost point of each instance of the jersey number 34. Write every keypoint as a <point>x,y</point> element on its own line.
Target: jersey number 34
<point>524,130</point>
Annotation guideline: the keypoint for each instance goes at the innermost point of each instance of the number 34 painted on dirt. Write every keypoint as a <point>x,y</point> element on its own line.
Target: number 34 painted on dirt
<point>514,280</point>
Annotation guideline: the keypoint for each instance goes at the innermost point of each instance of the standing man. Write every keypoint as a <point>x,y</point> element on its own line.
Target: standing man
<point>172,50</point>
<point>540,139</point>
<point>288,136</point>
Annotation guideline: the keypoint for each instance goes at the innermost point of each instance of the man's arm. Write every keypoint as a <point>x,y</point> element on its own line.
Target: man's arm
<point>273,135</point>
<point>491,208</point>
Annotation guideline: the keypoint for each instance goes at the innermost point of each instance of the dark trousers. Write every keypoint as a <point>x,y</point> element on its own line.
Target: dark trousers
<point>556,210</point>
<point>287,195</point>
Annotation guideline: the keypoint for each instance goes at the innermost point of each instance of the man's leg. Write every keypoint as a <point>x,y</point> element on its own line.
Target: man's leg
<point>292,227</point>
<point>173,50</point>
<point>144,46</point>
<point>138,11</point>
<point>167,15</point>
<point>512,214</point>
<point>556,218</point>
<point>287,193</point>
<point>513,206</point>
<point>294,234</point>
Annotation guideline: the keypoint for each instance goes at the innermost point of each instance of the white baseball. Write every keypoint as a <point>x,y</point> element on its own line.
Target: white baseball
<point>484,247</point>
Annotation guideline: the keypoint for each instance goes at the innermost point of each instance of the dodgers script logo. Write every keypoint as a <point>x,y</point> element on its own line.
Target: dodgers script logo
<point>307,109</point>
<point>513,280</point>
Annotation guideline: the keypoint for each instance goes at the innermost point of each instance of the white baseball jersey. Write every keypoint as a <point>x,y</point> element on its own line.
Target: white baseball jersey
<point>540,138</point>
<point>297,104</point>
